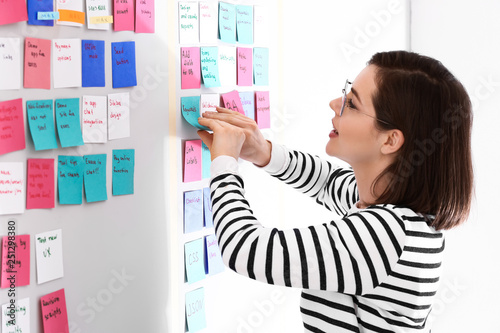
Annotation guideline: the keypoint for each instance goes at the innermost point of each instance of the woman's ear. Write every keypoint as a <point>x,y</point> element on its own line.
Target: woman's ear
<point>393,142</point>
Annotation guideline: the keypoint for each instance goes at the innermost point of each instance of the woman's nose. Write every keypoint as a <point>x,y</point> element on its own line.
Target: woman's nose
<point>336,105</point>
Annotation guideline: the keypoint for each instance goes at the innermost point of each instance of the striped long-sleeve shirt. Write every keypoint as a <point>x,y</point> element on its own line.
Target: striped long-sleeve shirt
<point>374,270</point>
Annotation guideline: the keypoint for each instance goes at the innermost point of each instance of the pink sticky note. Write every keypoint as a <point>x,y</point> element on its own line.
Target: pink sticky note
<point>40,184</point>
<point>12,11</point>
<point>232,101</point>
<point>145,16</point>
<point>37,63</point>
<point>15,261</point>
<point>262,107</point>
<point>54,314</point>
<point>123,17</point>
<point>192,161</point>
<point>245,68</point>
<point>11,126</point>
<point>190,68</point>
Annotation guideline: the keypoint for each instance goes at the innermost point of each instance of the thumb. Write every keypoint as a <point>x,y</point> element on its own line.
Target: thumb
<point>207,138</point>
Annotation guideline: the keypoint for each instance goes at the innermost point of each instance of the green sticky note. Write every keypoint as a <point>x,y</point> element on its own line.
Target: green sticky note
<point>194,255</point>
<point>195,310</point>
<point>70,179</point>
<point>41,123</point>
<point>190,109</point>
<point>95,177</point>
<point>227,22</point>
<point>123,171</point>
<point>261,66</point>
<point>68,122</point>
<point>244,24</point>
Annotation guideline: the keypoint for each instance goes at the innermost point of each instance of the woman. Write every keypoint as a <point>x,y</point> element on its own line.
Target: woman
<point>404,128</point>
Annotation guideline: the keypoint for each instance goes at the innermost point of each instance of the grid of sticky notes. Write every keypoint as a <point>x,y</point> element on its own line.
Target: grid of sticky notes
<point>123,15</point>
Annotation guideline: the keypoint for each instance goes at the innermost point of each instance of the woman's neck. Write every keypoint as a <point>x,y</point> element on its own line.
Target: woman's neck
<point>366,174</point>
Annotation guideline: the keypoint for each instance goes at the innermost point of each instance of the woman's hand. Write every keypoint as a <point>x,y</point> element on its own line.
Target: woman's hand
<point>235,135</point>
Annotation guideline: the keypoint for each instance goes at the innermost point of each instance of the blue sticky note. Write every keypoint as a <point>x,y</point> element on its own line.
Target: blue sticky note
<point>68,122</point>
<point>227,22</point>
<point>244,24</point>
<point>70,179</point>
<point>194,260</point>
<point>124,70</point>
<point>213,257</point>
<point>207,208</point>
<point>193,211</point>
<point>41,122</point>
<point>43,7</point>
<point>93,72</point>
<point>94,178</point>
<point>210,66</point>
<point>206,161</point>
<point>190,109</point>
<point>261,66</point>
<point>123,171</point>
<point>195,310</point>
<point>248,103</point>
<point>43,16</point>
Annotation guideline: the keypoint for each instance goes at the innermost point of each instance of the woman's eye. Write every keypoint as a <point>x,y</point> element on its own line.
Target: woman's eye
<point>350,104</point>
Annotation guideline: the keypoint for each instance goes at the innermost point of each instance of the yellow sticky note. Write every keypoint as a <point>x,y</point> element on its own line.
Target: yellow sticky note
<point>100,19</point>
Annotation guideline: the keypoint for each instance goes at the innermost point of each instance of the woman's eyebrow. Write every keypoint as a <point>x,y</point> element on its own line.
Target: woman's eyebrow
<point>357,95</point>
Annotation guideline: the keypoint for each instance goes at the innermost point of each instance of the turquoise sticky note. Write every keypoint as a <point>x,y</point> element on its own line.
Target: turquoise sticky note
<point>210,66</point>
<point>41,123</point>
<point>70,170</point>
<point>207,208</point>
<point>190,109</point>
<point>206,161</point>
<point>213,257</point>
<point>123,171</point>
<point>68,122</point>
<point>227,22</point>
<point>261,66</point>
<point>195,310</point>
<point>195,260</point>
<point>244,24</point>
<point>94,178</point>
<point>193,211</point>
<point>248,103</point>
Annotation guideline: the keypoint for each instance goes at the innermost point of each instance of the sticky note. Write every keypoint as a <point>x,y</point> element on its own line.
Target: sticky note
<point>195,260</point>
<point>37,63</point>
<point>54,312</point>
<point>99,9</point>
<point>195,310</point>
<point>12,188</point>
<point>48,16</point>
<point>10,62</point>
<point>232,101</point>
<point>193,211</point>
<point>262,109</point>
<point>49,256</point>
<point>94,178</point>
<point>192,161</point>
<point>208,22</point>
<point>93,71</point>
<point>95,119</point>
<point>71,12</point>
<point>188,23</point>
<point>227,65</point>
<point>123,17</point>
<point>190,68</point>
<point>12,11</point>
<point>11,126</point>
<point>22,322</point>
<point>261,66</point>
<point>145,16</point>
<point>227,22</point>
<point>41,123</point>
<point>15,261</point>
<point>40,6</point>
<point>207,208</point>
<point>67,62</point>
<point>123,66</point>
<point>244,24</point>
<point>213,256</point>
<point>70,179</point>
<point>208,102</point>
<point>206,161</point>
<point>190,109</point>
<point>248,102</point>
<point>40,184</point>
<point>210,66</point>
<point>261,25</point>
<point>244,64</point>
<point>68,122</point>
<point>118,116</point>
<point>123,171</point>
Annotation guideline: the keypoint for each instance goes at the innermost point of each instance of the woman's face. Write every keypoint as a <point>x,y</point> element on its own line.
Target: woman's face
<point>354,138</point>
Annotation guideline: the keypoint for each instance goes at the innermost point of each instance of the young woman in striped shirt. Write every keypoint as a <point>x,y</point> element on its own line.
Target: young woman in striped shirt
<point>404,128</point>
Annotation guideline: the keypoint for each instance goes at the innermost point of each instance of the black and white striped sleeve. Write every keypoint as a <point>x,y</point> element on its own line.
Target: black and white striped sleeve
<point>352,255</point>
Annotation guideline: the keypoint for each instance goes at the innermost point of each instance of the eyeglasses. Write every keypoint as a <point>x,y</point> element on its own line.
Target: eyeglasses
<point>344,100</point>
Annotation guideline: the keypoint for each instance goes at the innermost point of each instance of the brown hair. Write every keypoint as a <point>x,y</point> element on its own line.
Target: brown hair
<point>432,173</point>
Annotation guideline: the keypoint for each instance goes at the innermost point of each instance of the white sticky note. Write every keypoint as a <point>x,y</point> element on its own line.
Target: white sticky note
<point>208,102</point>
<point>74,5</point>
<point>209,23</point>
<point>188,23</point>
<point>118,116</point>
<point>261,25</point>
<point>67,62</point>
<point>12,188</point>
<point>21,309</point>
<point>98,8</point>
<point>10,63</point>
<point>95,119</point>
<point>49,256</point>
<point>227,66</point>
